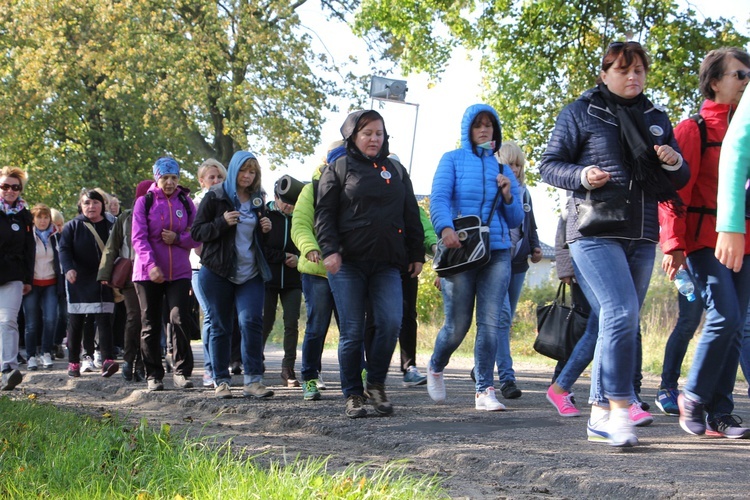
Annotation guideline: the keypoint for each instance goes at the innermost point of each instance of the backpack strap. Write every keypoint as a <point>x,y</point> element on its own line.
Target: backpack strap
<point>698,119</point>
<point>180,196</point>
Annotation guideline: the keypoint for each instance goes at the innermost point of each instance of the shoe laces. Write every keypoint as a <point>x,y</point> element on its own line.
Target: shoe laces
<point>568,403</point>
<point>725,422</point>
<point>356,401</point>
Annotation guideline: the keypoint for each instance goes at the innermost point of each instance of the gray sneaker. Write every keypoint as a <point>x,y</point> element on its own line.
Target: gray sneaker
<point>355,406</point>
<point>155,385</point>
<point>182,382</point>
<point>380,403</point>
<point>256,390</point>
<point>223,391</point>
<point>11,379</point>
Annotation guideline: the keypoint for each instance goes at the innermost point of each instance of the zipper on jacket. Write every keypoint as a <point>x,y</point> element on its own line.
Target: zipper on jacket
<point>169,247</point>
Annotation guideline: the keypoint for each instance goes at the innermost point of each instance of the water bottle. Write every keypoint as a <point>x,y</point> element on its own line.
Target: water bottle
<point>684,284</point>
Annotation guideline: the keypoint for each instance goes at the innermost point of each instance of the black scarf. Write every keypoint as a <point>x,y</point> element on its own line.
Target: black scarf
<point>639,156</point>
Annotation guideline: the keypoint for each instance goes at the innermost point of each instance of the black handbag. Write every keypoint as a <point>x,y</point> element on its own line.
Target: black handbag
<point>474,251</point>
<point>598,216</point>
<point>559,327</point>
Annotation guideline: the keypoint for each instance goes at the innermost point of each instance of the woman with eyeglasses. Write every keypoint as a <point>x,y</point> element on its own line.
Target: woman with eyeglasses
<point>616,152</point>
<point>17,250</point>
<point>689,239</point>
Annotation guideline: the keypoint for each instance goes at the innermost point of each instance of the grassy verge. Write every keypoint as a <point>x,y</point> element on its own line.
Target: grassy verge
<point>50,453</point>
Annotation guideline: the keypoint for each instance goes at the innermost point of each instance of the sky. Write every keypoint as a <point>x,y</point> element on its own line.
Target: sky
<point>431,122</point>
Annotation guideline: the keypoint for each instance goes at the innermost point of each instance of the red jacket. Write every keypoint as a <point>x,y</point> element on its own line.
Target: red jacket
<point>694,231</point>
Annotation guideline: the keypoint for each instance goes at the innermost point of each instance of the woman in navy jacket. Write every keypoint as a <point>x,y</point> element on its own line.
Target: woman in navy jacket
<point>613,143</point>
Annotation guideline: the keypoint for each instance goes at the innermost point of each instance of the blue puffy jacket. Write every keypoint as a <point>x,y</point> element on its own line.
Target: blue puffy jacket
<point>465,183</point>
<point>587,134</point>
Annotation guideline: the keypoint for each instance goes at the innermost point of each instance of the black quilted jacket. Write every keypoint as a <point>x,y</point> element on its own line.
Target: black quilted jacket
<point>587,134</point>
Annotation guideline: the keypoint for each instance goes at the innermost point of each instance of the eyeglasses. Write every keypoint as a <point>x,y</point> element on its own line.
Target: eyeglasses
<point>619,45</point>
<point>13,187</point>
<point>740,74</point>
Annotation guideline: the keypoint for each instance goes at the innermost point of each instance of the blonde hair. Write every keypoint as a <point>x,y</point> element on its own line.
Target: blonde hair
<point>16,173</point>
<point>57,216</point>
<point>208,164</point>
<point>510,152</point>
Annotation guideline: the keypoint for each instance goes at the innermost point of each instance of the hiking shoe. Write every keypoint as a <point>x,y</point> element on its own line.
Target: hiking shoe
<point>127,371</point>
<point>181,381</point>
<point>435,385</point>
<point>321,385</point>
<point>638,416</point>
<point>10,380</point>
<point>256,390</point>
<point>109,368</point>
<point>60,352</point>
<point>666,401</point>
<point>47,363</point>
<point>727,426</point>
<point>98,359</point>
<point>236,368</point>
<point>33,363</point>
<point>355,406</point>
<point>563,403</point>
<point>597,428</point>
<point>692,419</point>
<point>510,390</point>
<point>310,391</point>
<point>208,380</point>
<point>87,364</point>
<point>621,428</point>
<point>289,377</point>
<point>379,401</point>
<point>413,378</point>
<point>644,405</point>
<point>222,391</point>
<point>487,401</point>
<point>74,370</point>
<point>155,385</point>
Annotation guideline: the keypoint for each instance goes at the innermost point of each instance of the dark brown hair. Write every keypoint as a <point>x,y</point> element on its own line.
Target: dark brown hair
<point>40,209</point>
<point>714,66</point>
<point>628,51</point>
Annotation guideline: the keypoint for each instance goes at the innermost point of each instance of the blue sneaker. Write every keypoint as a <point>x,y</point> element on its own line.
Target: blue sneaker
<point>413,378</point>
<point>666,401</point>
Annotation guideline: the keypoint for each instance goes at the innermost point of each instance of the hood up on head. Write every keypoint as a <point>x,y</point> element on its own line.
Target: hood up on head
<point>469,115</point>
<point>230,183</point>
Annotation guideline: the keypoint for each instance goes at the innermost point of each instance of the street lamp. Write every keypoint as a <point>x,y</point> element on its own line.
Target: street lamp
<point>389,90</point>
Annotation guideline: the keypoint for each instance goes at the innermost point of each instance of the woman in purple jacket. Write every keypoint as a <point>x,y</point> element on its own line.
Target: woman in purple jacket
<point>162,244</point>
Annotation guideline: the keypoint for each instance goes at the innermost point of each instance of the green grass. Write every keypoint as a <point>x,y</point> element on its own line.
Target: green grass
<point>46,452</point>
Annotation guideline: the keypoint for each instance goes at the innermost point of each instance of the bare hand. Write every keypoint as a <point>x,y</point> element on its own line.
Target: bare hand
<point>504,184</point>
<point>333,263</point>
<point>414,269</point>
<point>730,250</point>
<point>567,280</point>
<point>71,276</point>
<point>437,283</point>
<point>666,154</point>
<point>168,236</point>
<point>450,238</point>
<point>597,177</point>
<point>265,224</point>
<point>232,217</point>
<point>156,275</point>
<point>536,255</point>
<point>26,289</point>
<point>291,260</point>
<point>313,256</point>
<point>672,262</point>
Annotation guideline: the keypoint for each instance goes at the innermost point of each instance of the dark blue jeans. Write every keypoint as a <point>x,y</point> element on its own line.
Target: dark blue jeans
<point>726,295</point>
<point>223,300</point>
<point>40,304</point>
<point>690,314</point>
<point>200,296</point>
<point>503,358</point>
<point>319,304</point>
<point>352,285</point>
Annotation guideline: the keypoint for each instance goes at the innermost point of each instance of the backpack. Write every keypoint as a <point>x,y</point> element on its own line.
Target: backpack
<point>698,119</point>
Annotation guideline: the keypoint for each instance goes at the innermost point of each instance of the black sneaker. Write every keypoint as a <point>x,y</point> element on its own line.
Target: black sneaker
<point>510,390</point>
<point>473,374</point>
<point>727,426</point>
<point>127,371</point>
<point>236,368</point>
<point>378,399</point>
<point>355,407</point>
<point>10,380</point>
<point>692,419</point>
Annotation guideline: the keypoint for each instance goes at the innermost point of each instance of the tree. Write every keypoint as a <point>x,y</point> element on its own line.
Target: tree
<point>536,57</point>
<point>92,91</point>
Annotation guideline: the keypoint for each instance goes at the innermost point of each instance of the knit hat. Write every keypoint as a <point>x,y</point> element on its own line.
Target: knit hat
<point>166,165</point>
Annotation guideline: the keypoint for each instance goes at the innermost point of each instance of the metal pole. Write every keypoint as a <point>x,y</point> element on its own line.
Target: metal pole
<point>413,137</point>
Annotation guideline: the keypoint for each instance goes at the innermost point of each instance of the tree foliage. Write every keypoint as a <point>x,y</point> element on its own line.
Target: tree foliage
<point>92,91</point>
<point>538,56</point>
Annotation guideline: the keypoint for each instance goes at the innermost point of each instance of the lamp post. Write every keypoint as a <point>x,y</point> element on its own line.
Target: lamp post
<point>389,90</point>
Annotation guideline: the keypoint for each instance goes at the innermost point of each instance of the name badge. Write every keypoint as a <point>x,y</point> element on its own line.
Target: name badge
<point>656,130</point>
<point>385,175</point>
<point>178,213</point>
<point>15,227</point>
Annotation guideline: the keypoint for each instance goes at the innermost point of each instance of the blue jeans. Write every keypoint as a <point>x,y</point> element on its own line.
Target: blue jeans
<point>319,305</point>
<point>615,275</point>
<point>352,285</point>
<point>247,300</point>
<point>488,286</point>
<point>503,358</point>
<point>690,314</point>
<point>200,296</point>
<point>726,295</point>
<point>40,304</point>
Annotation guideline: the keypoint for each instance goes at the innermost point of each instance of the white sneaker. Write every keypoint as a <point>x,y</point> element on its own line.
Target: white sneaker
<point>321,385</point>
<point>97,359</point>
<point>435,385</point>
<point>487,401</point>
<point>597,428</point>
<point>32,364</point>
<point>621,428</point>
<point>47,361</point>
<point>87,365</point>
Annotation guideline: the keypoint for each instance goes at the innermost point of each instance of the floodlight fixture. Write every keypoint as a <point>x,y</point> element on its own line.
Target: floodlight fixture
<point>388,89</point>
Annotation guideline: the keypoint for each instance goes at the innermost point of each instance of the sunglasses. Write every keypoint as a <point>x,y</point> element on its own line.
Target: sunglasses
<point>740,74</point>
<point>619,45</point>
<point>13,187</point>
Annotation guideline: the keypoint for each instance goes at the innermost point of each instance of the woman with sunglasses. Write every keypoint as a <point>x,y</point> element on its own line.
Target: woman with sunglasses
<point>616,152</point>
<point>17,249</point>
<point>692,234</point>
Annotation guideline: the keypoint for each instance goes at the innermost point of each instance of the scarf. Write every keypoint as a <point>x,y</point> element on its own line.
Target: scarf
<point>44,235</point>
<point>639,156</point>
<point>11,210</point>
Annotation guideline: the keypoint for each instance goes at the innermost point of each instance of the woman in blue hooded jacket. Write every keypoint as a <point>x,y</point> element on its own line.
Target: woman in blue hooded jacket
<point>466,183</point>
<point>229,222</point>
